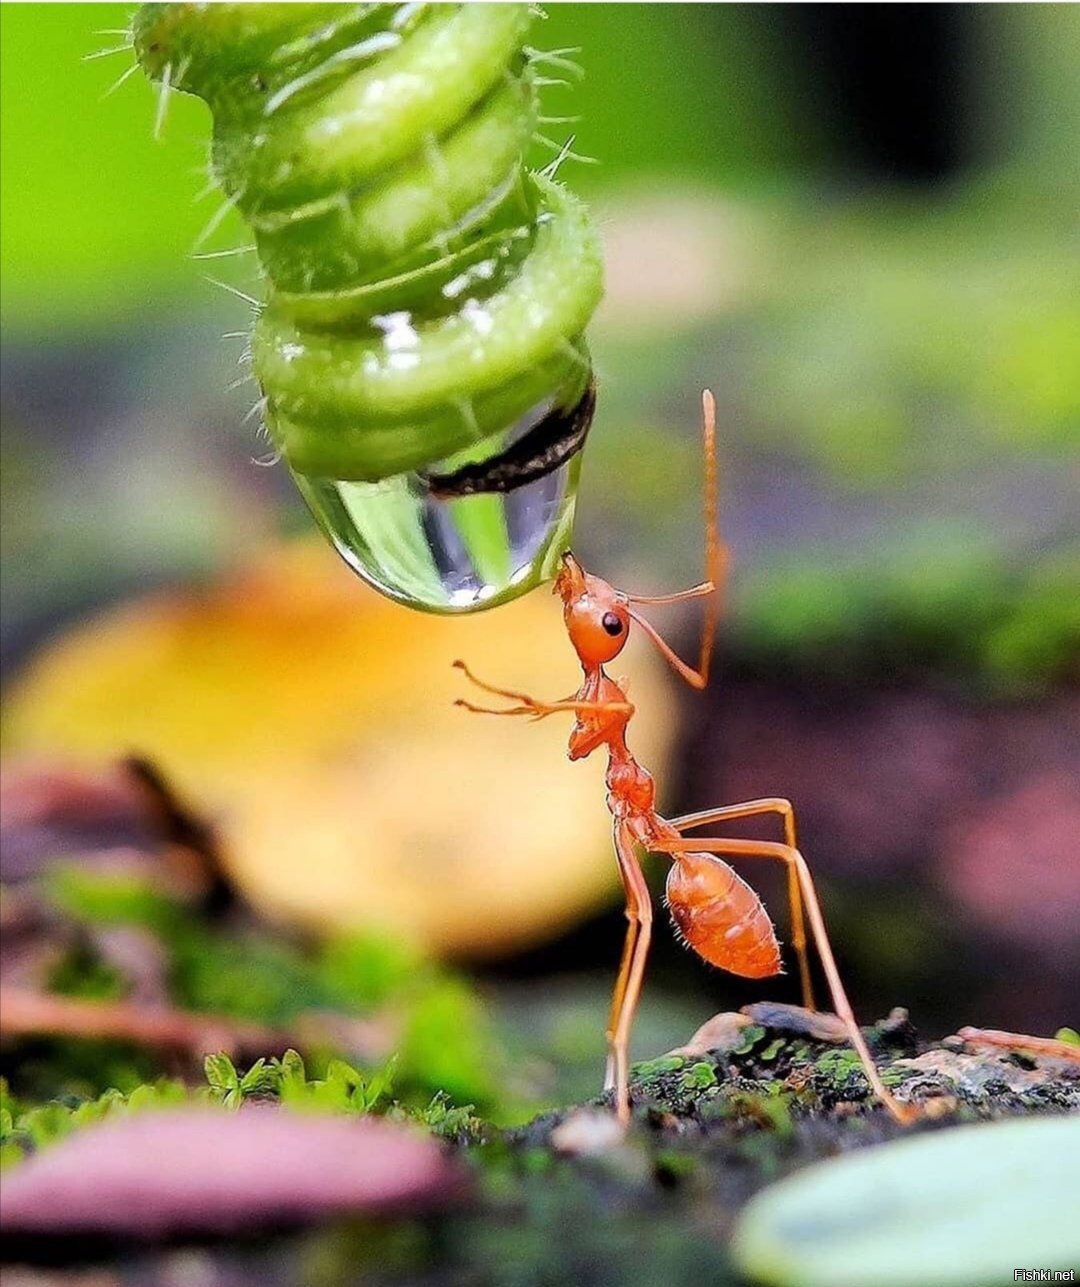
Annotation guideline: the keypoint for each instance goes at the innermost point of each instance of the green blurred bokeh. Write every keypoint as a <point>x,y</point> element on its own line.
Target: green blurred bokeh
<point>905,355</point>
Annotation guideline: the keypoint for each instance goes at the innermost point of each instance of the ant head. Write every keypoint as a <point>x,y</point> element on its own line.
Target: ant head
<point>597,616</point>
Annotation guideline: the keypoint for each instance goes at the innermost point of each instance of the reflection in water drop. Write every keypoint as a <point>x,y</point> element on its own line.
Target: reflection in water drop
<point>451,553</point>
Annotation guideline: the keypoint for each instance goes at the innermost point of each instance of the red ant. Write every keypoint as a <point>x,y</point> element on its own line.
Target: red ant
<point>715,912</point>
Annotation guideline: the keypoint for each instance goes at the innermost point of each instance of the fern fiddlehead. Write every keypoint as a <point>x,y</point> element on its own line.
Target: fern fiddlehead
<point>421,350</point>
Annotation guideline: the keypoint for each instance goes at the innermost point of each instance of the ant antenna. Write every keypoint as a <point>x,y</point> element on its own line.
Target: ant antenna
<point>716,560</point>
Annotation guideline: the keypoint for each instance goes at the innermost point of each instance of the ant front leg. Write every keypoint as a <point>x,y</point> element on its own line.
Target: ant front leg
<point>750,809</point>
<point>533,706</point>
<point>903,1113</point>
<point>510,693</point>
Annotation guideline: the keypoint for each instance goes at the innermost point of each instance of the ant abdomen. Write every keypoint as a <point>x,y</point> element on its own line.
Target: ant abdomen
<point>720,917</point>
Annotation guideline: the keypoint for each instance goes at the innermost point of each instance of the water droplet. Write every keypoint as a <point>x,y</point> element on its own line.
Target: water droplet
<point>449,553</point>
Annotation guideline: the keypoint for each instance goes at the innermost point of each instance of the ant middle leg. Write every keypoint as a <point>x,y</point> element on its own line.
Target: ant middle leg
<point>750,809</point>
<point>903,1113</point>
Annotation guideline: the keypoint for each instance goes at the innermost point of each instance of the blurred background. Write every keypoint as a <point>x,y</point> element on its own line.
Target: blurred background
<point>857,225</point>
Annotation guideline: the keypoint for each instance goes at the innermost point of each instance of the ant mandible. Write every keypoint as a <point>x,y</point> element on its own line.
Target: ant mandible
<point>715,912</point>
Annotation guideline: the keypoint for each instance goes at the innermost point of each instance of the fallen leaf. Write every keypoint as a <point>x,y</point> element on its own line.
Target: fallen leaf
<point>956,1208</point>
<point>313,721</point>
<point>201,1170</point>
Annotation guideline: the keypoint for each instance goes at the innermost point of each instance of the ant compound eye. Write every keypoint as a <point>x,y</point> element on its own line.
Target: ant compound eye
<point>611,623</point>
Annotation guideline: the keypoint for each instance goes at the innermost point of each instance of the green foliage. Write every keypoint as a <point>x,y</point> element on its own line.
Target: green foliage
<point>839,1065</point>
<point>771,1107</point>
<point>445,1032</point>
<point>223,1079</point>
<point>368,969</point>
<point>344,1089</point>
<point>25,1127</point>
<point>81,973</point>
<point>448,1038</point>
<point>113,899</point>
<point>443,1041</point>
<point>243,974</point>
<point>944,598</point>
<point>442,1118</point>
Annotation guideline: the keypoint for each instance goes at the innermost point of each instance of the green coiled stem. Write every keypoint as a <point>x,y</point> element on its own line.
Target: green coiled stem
<point>425,290</point>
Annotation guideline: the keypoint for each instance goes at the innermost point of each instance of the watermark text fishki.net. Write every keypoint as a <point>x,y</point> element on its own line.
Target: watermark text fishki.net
<point>1044,1275</point>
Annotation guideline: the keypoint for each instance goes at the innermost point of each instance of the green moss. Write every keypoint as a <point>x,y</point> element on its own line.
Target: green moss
<point>656,1067</point>
<point>770,1107</point>
<point>699,1076</point>
<point>675,1166</point>
<point>748,1039</point>
<point>838,1065</point>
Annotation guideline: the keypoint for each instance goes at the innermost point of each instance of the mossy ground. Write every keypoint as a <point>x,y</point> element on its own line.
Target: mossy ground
<point>710,1128</point>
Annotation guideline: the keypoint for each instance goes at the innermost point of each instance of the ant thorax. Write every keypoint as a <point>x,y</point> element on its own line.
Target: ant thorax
<point>631,789</point>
